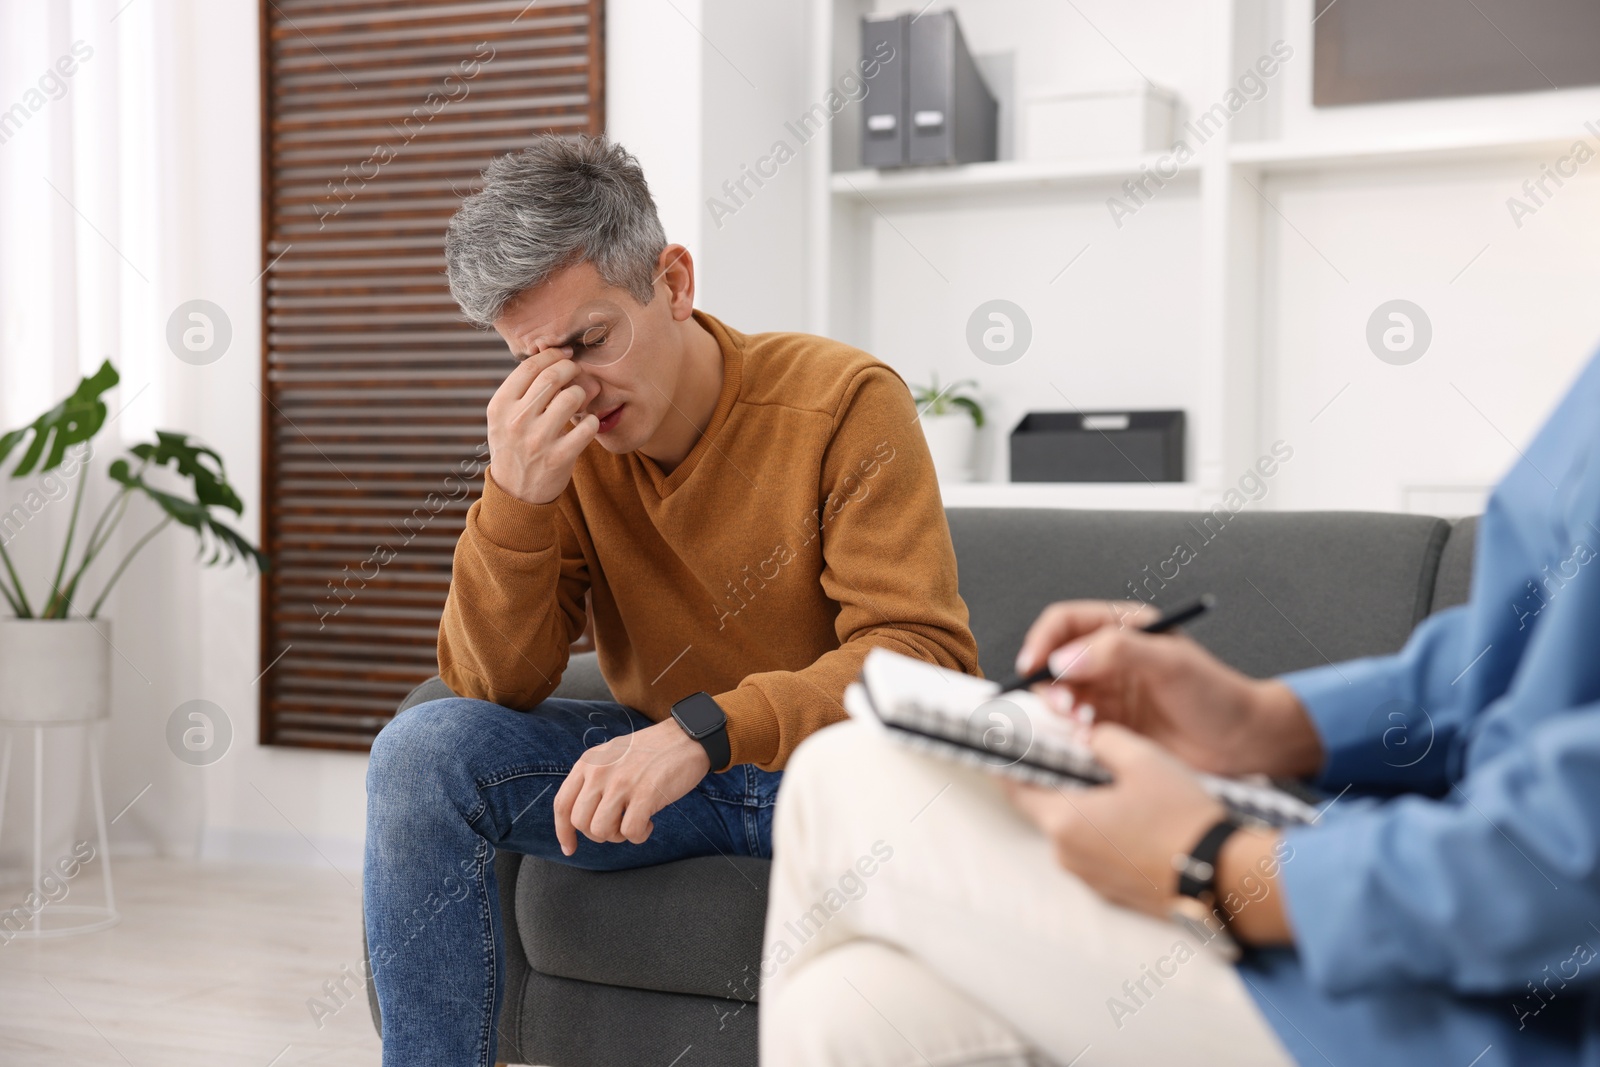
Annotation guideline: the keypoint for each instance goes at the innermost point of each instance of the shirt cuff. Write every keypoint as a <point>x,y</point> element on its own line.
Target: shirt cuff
<point>515,524</point>
<point>753,733</point>
<point>1372,735</point>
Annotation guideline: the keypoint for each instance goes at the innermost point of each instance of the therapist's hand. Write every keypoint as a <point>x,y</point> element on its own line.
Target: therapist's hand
<point>615,789</point>
<point>1170,689</point>
<point>1121,839</point>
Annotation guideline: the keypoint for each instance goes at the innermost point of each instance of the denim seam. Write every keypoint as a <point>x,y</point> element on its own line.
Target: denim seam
<point>740,802</point>
<point>482,806</point>
<point>486,1036</point>
<point>525,770</point>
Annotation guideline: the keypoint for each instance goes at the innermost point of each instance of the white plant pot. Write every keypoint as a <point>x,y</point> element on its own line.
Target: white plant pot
<point>950,440</point>
<point>55,670</point>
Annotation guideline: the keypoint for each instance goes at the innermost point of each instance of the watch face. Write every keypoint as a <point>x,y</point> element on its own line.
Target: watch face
<point>699,714</point>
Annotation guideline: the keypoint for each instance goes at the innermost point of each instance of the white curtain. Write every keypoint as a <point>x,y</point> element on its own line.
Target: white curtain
<point>87,227</point>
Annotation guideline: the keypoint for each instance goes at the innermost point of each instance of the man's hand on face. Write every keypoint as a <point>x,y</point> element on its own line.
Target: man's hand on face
<point>533,444</point>
<point>614,791</point>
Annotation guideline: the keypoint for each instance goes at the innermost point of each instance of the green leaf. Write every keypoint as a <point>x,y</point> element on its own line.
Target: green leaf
<point>971,407</point>
<point>74,420</point>
<point>204,469</point>
<point>202,466</point>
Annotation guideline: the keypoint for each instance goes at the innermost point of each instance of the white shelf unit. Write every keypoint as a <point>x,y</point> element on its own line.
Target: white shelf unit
<point>891,186</point>
<point>1417,149</point>
<point>1197,336</point>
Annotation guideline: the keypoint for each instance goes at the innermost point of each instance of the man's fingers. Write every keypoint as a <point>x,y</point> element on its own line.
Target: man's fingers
<point>574,440</point>
<point>637,822</point>
<point>584,807</point>
<point>544,389</point>
<point>521,378</point>
<point>606,823</point>
<point>566,404</point>
<point>566,835</point>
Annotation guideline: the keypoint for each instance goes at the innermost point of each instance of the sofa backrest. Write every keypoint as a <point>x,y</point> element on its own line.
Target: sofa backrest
<point>1454,583</point>
<point>1293,589</point>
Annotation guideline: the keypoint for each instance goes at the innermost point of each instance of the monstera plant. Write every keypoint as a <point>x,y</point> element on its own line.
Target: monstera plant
<point>45,446</point>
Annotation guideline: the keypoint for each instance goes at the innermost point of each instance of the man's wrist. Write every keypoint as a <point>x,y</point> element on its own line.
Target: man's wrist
<point>694,751</point>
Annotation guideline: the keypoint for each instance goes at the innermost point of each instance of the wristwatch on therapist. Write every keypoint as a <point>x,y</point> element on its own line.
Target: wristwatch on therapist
<point>702,718</point>
<point>1196,906</point>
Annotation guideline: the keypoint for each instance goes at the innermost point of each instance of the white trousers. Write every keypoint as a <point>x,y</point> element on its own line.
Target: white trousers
<point>916,918</point>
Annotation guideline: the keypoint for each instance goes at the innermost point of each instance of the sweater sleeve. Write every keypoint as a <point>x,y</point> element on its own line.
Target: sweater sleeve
<point>516,599</point>
<point>888,563</point>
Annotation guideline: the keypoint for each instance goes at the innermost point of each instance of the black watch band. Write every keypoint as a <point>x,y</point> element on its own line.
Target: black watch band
<point>1197,871</point>
<point>702,718</point>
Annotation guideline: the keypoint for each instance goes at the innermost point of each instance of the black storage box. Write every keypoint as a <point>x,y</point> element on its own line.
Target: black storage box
<point>1098,446</point>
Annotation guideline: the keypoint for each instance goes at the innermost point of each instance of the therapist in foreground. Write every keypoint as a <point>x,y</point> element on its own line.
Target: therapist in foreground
<point>1443,909</point>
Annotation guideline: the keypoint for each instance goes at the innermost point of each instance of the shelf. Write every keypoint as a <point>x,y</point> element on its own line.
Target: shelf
<point>1413,148</point>
<point>914,183</point>
<point>1097,496</point>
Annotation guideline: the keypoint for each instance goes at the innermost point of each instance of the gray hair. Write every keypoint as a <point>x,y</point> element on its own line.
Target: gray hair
<point>560,201</point>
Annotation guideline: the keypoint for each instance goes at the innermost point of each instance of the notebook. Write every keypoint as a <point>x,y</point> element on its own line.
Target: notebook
<point>959,717</point>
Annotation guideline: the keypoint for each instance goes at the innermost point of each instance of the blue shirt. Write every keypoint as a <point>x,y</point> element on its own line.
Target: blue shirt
<point>1446,909</point>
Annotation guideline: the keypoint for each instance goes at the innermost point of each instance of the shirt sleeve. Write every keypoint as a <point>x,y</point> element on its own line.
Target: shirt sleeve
<point>516,599</point>
<point>888,563</point>
<point>1389,723</point>
<point>1476,891</point>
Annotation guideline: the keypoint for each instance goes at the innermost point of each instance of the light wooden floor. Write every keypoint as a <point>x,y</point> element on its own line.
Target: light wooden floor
<point>212,964</point>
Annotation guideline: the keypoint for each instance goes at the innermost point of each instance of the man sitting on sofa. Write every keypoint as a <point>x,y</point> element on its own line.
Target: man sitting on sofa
<point>748,514</point>
<point>1443,909</point>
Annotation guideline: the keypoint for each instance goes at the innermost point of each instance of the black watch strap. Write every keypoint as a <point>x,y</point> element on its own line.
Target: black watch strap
<point>717,747</point>
<point>1197,871</point>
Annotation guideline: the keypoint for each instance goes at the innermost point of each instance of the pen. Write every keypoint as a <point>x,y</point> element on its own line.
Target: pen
<point>1168,621</point>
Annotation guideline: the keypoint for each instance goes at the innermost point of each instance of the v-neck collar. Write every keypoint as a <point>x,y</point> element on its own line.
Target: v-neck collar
<point>732,348</point>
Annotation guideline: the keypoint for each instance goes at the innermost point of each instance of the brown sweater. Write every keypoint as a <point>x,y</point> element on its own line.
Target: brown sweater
<point>804,529</point>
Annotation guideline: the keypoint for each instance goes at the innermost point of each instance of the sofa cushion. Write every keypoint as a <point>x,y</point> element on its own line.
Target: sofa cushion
<point>1294,589</point>
<point>570,1023</point>
<point>693,926</point>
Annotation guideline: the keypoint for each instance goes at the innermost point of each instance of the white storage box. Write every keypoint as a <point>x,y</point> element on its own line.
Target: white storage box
<point>1116,120</point>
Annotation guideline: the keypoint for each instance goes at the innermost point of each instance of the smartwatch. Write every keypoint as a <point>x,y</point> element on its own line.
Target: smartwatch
<point>702,719</point>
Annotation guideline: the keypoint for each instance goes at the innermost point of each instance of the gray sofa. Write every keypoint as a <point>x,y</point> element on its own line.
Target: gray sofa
<point>653,966</point>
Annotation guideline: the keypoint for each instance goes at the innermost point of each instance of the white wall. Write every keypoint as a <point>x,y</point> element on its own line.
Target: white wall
<point>1509,332</point>
<point>752,262</point>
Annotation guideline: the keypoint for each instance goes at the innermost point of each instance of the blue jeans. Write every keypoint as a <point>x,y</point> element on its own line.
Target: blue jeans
<point>449,782</point>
